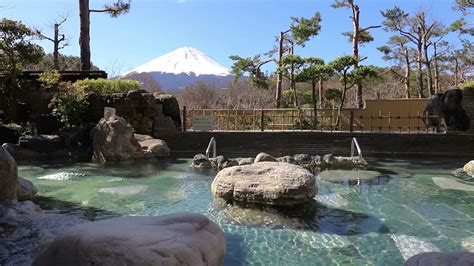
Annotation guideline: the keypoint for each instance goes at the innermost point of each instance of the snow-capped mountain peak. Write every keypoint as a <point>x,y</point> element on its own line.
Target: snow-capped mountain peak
<point>185,60</point>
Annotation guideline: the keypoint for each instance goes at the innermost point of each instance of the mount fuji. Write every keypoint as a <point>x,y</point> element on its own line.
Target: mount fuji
<point>183,67</point>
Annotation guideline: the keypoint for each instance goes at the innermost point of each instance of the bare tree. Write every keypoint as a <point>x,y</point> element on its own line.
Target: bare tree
<point>116,9</point>
<point>58,40</point>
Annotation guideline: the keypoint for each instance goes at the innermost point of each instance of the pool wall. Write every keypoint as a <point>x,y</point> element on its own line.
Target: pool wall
<point>236,144</point>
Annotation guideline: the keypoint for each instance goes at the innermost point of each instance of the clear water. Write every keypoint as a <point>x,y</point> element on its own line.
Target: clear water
<point>378,222</point>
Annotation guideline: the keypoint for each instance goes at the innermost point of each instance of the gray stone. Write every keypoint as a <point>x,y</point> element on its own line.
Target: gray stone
<point>8,177</point>
<point>157,147</point>
<point>141,137</point>
<point>469,168</point>
<point>264,157</point>
<point>441,258</point>
<point>271,183</point>
<point>245,161</point>
<point>201,161</point>
<point>341,162</point>
<point>41,143</point>
<point>286,159</point>
<point>113,140</point>
<point>175,239</point>
<point>303,159</point>
<point>26,189</point>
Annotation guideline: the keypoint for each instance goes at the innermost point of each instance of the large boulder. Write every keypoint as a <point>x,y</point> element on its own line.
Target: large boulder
<point>201,161</point>
<point>448,106</point>
<point>156,147</point>
<point>170,107</point>
<point>271,183</point>
<point>8,135</point>
<point>440,258</point>
<point>175,239</point>
<point>41,143</point>
<point>25,189</point>
<point>469,168</point>
<point>8,177</point>
<point>113,140</point>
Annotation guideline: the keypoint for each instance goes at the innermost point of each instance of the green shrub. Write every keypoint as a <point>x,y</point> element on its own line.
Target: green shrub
<point>70,103</point>
<point>467,85</point>
<point>49,79</point>
<point>108,86</point>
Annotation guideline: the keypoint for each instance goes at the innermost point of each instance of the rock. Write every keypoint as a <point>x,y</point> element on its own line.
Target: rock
<point>228,163</point>
<point>32,232</point>
<point>220,162</point>
<point>264,157</point>
<point>469,168</point>
<point>303,159</point>
<point>175,239</point>
<point>201,161</point>
<point>157,147</point>
<point>8,135</point>
<point>8,177</point>
<point>41,143</point>
<point>441,258</point>
<point>271,183</point>
<point>140,137</point>
<point>46,124</point>
<point>341,176</point>
<point>245,161</point>
<point>77,137</point>
<point>286,159</point>
<point>170,107</point>
<point>26,189</point>
<point>449,106</point>
<point>316,160</point>
<point>134,95</point>
<point>341,162</point>
<point>113,140</point>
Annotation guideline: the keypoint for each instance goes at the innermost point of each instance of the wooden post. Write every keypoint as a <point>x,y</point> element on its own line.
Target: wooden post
<point>262,121</point>
<point>351,121</point>
<point>184,119</point>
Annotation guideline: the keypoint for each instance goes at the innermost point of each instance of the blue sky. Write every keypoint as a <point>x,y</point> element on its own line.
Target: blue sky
<point>219,28</point>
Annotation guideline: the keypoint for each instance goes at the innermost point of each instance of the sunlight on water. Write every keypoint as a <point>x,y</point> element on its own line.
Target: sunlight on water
<point>383,220</point>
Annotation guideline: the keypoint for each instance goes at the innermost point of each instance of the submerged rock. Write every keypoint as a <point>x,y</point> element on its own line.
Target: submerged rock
<point>351,176</point>
<point>272,183</point>
<point>175,239</point>
<point>8,177</point>
<point>264,157</point>
<point>124,190</point>
<point>410,246</point>
<point>449,183</point>
<point>26,189</point>
<point>441,258</point>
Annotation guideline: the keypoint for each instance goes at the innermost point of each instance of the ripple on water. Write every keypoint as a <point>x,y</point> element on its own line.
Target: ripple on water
<point>124,190</point>
<point>61,176</point>
<point>409,246</point>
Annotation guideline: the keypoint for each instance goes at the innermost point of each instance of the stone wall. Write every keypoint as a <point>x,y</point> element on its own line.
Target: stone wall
<point>146,112</point>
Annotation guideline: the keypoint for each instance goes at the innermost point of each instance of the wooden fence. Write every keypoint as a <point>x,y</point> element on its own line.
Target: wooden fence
<point>305,119</point>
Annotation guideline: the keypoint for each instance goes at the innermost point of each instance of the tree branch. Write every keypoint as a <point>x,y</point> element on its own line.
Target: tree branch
<point>370,27</point>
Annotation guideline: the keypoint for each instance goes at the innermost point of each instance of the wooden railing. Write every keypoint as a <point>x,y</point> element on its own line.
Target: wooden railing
<point>304,119</point>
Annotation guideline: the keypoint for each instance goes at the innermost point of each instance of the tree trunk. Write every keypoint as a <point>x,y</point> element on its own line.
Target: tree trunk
<point>428,66</point>
<point>320,94</point>
<point>315,106</point>
<point>407,74</point>
<point>279,75</point>
<point>56,47</point>
<point>436,69</point>
<point>456,72</point>
<point>339,109</point>
<point>355,51</point>
<point>84,39</point>
<point>420,70</point>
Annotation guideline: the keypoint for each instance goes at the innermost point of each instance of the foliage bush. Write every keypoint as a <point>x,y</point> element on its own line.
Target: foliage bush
<point>108,86</point>
<point>50,79</point>
<point>70,103</point>
<point>467,85</point>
